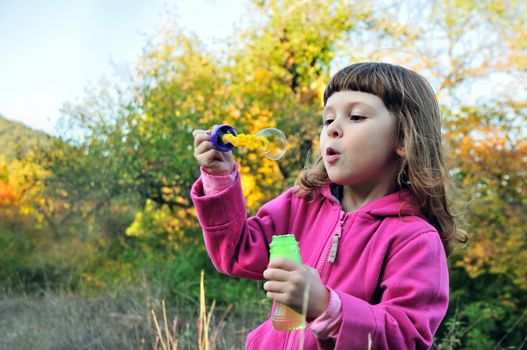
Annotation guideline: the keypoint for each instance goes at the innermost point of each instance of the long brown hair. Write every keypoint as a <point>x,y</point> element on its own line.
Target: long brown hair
<point>411,100</point>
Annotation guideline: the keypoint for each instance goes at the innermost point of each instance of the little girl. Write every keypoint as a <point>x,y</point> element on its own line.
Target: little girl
<point>370,215</point>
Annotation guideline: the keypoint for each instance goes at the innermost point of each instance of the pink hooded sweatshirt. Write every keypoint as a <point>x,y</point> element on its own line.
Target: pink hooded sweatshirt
<point>385,262</point>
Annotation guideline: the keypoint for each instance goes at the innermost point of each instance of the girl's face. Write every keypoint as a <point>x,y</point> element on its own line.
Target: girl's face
<point>356,142</point>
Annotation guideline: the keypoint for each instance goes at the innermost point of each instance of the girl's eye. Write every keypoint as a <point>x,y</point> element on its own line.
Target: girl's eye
<point>327,122</point>
<point>356,118</point>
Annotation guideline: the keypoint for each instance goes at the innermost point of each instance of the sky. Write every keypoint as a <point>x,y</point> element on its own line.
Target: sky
<point>50,51</point>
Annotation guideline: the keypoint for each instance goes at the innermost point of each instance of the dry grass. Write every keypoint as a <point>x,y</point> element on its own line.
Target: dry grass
<point>208,333</point>
<point>63,320</point>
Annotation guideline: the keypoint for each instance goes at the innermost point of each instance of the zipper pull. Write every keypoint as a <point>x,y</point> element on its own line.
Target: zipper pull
<point>334,247</point>
<point>336,238</point>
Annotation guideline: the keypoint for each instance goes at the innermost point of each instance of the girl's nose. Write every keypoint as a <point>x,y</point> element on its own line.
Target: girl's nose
<point>334,129</point>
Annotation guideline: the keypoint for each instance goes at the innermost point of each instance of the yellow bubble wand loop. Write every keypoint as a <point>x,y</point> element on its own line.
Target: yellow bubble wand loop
<point>252,142</point>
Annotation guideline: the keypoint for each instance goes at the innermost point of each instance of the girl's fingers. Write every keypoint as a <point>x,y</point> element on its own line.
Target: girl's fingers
<point>278,297</point>
<point>202,147</point>
<point>285,298</point>
<point>205,151</point>
<point>208,157</point>
<point>276,275</point>
<point>275,286</point>
<point>200,136</point>
<point>199,131</point>
<point>284,264</point>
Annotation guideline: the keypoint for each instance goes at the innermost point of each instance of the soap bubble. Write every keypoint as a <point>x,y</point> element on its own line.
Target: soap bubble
<point>277,143</point>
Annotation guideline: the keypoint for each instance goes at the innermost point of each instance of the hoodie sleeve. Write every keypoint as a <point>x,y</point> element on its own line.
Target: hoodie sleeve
<point>213,183</point>
<point>238,245</point>
<point>414,300</point>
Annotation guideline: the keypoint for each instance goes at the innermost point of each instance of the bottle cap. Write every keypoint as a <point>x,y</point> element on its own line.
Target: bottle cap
<point>285,246</point>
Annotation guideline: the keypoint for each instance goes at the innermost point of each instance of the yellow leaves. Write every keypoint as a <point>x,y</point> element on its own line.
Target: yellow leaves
<point>161,223</point>
<point>317,87</point>
<point>249,187</point>
<point>256,182</point>
<point>135,229</point>
<point>7,194</point>
<point>262,75</point>
<point>207,118</point>
<point>21,186</point>
<point>491,156</point>
<point>474,262</point>
<point>150,221</point>
<point>25,210</point>
<point>259,119</point>
<point>167,193</point>
<point>232,112</point>
<point>497,249</point>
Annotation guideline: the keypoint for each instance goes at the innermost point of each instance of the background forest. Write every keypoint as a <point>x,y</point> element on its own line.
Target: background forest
<point>97,226</point>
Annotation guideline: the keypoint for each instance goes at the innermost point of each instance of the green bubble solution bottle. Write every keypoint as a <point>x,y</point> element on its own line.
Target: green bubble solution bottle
<point>284,318</point>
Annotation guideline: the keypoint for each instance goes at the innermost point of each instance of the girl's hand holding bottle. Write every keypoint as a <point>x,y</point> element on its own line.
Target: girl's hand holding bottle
<point>215,162</point>
<point>287,281</point>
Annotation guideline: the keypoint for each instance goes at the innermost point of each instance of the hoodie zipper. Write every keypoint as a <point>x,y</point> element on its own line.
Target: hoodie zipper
<point>329,256</point>
<point>333,247</point>
<point>332,254</point>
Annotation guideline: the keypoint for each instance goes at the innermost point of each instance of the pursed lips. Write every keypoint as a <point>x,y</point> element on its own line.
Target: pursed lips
<point>332,155</point>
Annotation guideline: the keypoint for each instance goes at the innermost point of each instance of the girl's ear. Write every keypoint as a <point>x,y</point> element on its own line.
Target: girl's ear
<point>401,152</point>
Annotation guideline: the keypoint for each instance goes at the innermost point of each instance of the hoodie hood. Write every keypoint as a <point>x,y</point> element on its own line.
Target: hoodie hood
<point>400,203</point>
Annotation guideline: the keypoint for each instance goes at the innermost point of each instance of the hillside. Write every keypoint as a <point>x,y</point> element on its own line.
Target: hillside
<point>16,138</point>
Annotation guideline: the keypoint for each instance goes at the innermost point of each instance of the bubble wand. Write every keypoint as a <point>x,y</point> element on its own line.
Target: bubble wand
<point>270,141</point>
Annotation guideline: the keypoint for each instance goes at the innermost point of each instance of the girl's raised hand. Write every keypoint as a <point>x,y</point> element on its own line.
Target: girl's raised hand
<point>215,162</point>
<point>287,282</point>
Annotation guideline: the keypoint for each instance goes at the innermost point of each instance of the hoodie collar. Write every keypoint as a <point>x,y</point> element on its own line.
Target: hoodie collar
<point>400,203</point>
